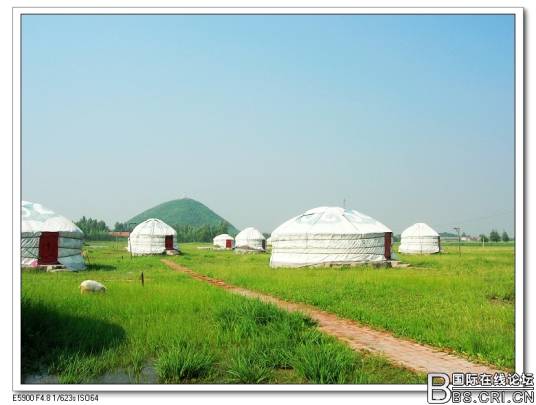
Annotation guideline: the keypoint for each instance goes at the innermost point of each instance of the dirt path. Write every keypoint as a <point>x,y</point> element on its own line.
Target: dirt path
<point>411,355</point>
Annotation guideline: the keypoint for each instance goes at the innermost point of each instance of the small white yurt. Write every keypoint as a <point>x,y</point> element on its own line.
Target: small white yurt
<point>48,238</point>
<point>419,239</point>
<point>152,237</point>
<point>250,239</point>
<point>224,241</point>
<point>330,235</point>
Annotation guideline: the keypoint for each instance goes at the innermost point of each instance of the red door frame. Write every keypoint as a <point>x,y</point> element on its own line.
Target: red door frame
<point>48,248</point>
<point>387,245</point>
<point>228,244</point>
<point>169,242</point>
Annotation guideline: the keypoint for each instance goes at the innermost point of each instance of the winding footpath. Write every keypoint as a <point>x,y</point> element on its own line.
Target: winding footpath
<point>411,355</point>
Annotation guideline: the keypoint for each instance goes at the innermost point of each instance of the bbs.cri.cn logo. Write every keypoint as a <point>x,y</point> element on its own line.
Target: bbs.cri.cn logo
<point>498,388</point>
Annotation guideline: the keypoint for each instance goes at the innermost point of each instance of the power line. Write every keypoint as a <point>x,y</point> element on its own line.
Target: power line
<point>474,219</point>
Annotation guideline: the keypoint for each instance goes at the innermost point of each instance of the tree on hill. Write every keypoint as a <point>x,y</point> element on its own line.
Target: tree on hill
<point>505,237</point>
<point>494,236</point>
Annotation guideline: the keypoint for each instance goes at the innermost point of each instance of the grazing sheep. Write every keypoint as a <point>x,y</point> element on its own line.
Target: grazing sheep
<point>91,286</point>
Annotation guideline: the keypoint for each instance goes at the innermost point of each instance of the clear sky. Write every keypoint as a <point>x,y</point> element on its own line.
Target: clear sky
<point>406,118</point>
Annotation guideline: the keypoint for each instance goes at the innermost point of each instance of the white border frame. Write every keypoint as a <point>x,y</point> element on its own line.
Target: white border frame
<point>16,273</point>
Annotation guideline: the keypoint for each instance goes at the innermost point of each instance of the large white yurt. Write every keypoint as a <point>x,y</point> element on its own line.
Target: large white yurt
<point>419,239</point>
<point>48,238</point>
<point>152,237</point>
<point>250,239</point>
<point>224,241</point>
<point>330,235</point>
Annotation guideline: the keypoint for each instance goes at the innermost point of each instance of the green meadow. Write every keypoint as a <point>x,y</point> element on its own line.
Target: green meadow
<point>176,330</point>
<point>460,303</point>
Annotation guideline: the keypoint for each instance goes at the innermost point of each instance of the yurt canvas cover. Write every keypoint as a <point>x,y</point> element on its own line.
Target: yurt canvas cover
<point>330,235</point>
<point>152,237</point>
<point>224,241</point>
<point>419,239</point>
<point>49,238</point>
<point>250,239</point>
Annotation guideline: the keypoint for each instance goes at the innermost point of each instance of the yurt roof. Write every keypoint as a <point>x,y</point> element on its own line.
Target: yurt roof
<point>250,234</point>
<point>329,221</point>
<point>419,229</point>
<point>37,218</point>
<point>153,226</point>
<point>223,236</point>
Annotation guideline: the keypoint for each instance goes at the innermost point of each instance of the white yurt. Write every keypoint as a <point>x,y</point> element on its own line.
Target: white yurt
<point>330,235</point>
<point>419,239</point>
<point>48,238</point>
<point>269,241</point>
<point>152,237</point>
<point>250,239</point>
<point>224,241</point>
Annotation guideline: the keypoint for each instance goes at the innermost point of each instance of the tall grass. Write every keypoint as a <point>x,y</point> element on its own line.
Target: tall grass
<point>460,303</point>
<point>189,331</point>
<point>184,362</point>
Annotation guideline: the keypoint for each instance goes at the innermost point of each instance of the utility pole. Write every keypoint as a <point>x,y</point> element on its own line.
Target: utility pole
<point>458,229</point>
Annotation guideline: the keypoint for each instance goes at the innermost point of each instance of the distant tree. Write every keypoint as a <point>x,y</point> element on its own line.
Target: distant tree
<point>448,234</point>
<point>94,229</point>
<point>203,233</point>
<point>494,236</point>
<point>483,238</point>
<point>505,237</point>
<point>464,234</point>
<point>120,227</point>
<point>396,238</point>
<point>223,227</point>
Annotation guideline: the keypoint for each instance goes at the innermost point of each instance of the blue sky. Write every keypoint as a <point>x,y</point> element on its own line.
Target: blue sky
<point>407,118</point>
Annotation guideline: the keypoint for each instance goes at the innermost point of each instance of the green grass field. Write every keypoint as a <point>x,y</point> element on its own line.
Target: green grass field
<point>176,329</point>
<point>460,303</point>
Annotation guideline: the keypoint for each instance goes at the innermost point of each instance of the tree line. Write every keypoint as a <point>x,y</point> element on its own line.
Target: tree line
<point>95,229</point>
<point>494,236</point>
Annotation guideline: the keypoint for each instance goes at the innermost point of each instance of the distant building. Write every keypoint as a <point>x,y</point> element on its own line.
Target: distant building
<point>122,234</point>
<point>327,236</point>
<point>152,237</point>
<point>224,241</point>
<point>420,239</point>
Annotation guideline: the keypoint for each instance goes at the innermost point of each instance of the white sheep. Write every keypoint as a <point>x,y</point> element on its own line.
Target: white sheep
<point>91,286</point>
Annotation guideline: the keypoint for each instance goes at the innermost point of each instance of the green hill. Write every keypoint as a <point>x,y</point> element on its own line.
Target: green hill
<point>184,211</point>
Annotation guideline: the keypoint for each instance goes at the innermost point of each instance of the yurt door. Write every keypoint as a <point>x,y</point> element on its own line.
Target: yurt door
<point>387,245</point>
<point>48,248</point>
<point>228,243</point>
<point>169,242</point>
